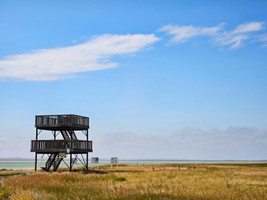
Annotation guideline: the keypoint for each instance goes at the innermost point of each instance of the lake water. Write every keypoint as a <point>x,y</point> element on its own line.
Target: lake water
<point>29,164</point>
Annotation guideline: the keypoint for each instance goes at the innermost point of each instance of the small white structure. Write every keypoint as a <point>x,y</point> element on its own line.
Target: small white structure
<point>114,160</point>
<point>94,160</point>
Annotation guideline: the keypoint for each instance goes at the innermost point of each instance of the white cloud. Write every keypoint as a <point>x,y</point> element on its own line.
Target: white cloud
<point>228,39</point>
<point>232,38</point>
<point>183,33</point>
<point>263,38</point>
<point>58,63</point>
<point>239,34</point>
<point>248,27</point>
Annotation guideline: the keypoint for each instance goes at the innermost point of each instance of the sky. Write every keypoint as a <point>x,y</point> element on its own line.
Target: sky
<point>158,79</point>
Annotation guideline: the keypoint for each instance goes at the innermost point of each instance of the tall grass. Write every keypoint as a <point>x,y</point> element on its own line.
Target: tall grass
<point>145,182</point>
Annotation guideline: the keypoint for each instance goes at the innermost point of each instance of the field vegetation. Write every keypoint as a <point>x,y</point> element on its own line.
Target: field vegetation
<point>169,181</point>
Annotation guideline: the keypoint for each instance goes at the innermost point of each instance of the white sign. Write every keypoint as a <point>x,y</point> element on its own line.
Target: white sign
<point>94,160</point>
<point>114,160</point>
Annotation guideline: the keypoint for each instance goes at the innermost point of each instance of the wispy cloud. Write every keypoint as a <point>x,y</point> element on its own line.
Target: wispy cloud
<point>58,63</point>
<point>263,38</point>
<point>232,135</point>
<point>189,143</point>
<point>239,34</point>
<point>183,33</point>
<point>248,27</point>
<point>233,38</point>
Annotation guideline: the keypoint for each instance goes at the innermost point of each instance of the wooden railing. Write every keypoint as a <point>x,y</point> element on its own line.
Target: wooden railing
<point>61,120</point>
<point>54,146</point>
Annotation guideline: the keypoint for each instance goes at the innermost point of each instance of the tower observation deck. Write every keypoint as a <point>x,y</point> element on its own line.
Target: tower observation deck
<point>64,143</point>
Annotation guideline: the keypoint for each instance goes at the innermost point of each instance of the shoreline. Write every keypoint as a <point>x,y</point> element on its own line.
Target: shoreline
<point>29,164</point>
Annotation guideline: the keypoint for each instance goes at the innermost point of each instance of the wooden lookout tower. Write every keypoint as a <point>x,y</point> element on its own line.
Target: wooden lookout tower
<point>64,143</point>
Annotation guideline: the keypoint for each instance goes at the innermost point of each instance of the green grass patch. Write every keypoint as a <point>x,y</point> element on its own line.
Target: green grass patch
<point>120,179</point>
<point>7,175</point>
<point>125,171</point>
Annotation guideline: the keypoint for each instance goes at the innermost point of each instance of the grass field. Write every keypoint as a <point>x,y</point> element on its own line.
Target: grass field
<point>239,181</point>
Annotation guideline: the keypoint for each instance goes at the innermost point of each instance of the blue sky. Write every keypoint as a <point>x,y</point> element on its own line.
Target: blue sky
<point>158,79</point>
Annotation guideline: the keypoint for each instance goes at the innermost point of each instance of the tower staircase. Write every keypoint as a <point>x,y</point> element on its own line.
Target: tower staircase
<point>54,158</point>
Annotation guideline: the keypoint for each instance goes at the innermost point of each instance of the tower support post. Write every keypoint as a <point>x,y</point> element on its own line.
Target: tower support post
<point>87,152</point>
<point>35,165</point>
<point>35,161</point>
<point>70,161</point>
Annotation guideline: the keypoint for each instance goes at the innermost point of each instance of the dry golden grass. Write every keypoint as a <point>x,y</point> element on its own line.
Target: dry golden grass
<point>145,182</point>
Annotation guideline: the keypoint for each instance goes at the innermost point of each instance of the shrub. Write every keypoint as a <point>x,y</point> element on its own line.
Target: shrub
<point>120,179</point>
